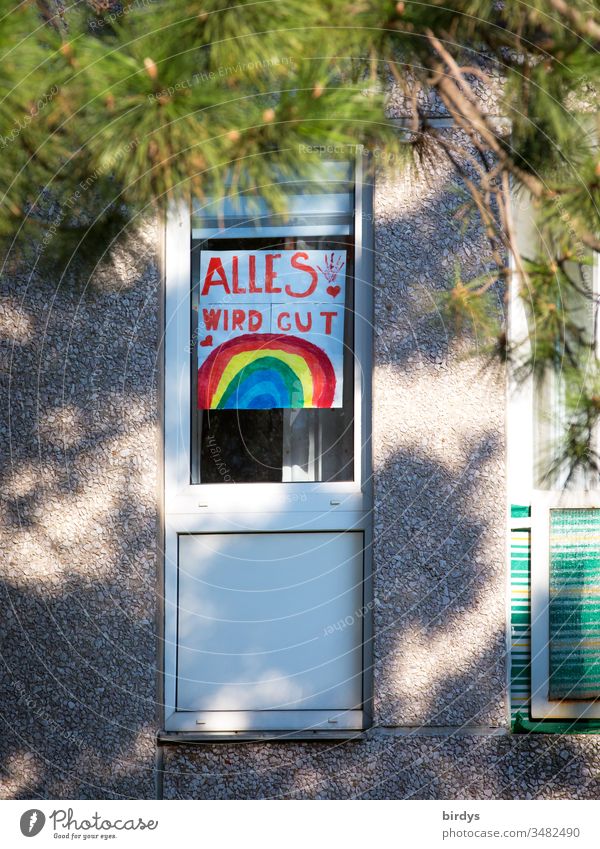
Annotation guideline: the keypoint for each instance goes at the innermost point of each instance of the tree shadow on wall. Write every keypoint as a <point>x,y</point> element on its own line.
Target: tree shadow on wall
<point>79,533</point>
<point>80,558</point>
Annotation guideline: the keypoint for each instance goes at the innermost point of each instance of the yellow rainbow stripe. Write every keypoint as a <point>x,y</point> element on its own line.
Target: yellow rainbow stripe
<point>238,362</point>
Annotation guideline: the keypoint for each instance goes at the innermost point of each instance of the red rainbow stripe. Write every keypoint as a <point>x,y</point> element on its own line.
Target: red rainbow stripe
<point>321,369</point>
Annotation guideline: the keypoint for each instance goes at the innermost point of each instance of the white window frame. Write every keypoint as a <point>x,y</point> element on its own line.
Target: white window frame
<point>523,426</point>
<point>260,507</point>
<point>181,496</point>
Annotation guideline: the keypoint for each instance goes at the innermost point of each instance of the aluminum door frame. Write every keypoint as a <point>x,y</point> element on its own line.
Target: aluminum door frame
<point>221,508</point>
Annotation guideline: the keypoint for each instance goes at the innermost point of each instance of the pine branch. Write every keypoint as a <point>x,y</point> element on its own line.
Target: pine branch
<point>584,25</point>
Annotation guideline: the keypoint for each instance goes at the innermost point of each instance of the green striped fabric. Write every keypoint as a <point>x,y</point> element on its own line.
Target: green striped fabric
<point>520,617</point>
<point>574,603</point>
<point>520,652</point>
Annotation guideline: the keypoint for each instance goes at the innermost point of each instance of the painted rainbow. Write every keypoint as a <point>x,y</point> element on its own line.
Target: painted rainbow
<point>265,371</point>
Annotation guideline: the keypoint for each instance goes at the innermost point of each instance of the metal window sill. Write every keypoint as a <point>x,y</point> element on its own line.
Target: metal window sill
<point>170,738</point>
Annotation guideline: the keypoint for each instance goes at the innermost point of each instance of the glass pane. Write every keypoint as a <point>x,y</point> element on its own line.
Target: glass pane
<point>552,410</point>
<point>574,604</point>
<point>272,359</point>
<point>321,200</point>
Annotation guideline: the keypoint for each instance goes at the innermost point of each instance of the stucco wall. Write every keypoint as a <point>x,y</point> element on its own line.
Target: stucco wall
<point>387,766</point>
<point>438,443</point>
<point>80,554</point>
<point>79,523</point>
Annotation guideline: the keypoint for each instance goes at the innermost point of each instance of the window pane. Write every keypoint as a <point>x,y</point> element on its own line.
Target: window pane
<point>276,405</point>
<point>574,604</point>
<point>552,412</point>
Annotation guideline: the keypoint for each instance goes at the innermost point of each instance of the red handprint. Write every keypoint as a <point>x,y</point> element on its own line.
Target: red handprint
<point>332,267</point>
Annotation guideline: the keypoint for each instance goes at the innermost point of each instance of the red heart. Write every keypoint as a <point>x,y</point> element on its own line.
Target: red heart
<point>334,291</point>
<point>206,342</point>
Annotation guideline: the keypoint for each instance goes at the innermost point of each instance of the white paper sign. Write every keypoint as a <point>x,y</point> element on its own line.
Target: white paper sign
<point>271,329</point>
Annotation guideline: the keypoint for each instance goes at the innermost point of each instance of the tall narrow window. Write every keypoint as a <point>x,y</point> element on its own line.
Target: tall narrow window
<point>268,504</point>
<point>545,414</point>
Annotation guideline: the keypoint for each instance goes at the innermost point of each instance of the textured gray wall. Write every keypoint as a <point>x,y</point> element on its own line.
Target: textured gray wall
<point>79,549</point>
<point>78,536</point>
<point>438,431</point>
<point>384,766</point>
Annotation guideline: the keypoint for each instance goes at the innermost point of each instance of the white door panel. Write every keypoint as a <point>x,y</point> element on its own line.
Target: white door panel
<point>270,621</point>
